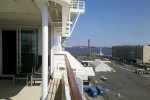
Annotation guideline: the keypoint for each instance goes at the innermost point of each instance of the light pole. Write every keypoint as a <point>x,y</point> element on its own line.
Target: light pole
<point>131,56</point>
<point>89,48</point>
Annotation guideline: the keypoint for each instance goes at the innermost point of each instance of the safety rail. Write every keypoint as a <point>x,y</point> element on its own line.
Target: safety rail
<point>66,87</point>
<point>70,85</point>
<point>78,5</point>
<point>75,93</point>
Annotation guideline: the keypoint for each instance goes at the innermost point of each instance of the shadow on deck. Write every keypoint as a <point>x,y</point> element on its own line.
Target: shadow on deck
<point>22,92</point>
<point>7,90</point>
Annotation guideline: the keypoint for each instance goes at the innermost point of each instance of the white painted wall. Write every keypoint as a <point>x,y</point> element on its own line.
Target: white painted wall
<point>0,52</point>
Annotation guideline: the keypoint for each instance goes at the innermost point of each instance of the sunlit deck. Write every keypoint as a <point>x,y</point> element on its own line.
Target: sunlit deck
<point>22,92</point>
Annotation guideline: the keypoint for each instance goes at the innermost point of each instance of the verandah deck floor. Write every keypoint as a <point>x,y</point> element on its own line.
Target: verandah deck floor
<point>22,92</point>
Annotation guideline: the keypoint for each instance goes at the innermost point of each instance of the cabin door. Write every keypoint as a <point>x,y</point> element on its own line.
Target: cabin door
<point>19,51</point>
<point>27,51</point>
<point>9,51</point>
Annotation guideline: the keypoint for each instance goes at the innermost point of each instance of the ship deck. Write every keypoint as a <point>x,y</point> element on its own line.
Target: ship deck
<point>22,92</point>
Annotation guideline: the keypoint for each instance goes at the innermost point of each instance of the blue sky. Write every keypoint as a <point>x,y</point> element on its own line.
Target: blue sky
<point>113,22</point>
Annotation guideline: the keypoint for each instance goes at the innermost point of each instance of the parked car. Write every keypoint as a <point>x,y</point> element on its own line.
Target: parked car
<point>146,72</point>
<point>100,90</point>
<point>103,78</point>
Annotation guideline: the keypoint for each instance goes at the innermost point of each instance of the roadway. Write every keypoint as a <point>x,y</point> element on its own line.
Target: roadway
<point>125,83</point>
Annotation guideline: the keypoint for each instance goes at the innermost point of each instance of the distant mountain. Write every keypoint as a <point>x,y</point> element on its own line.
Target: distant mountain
<point>83,50</point>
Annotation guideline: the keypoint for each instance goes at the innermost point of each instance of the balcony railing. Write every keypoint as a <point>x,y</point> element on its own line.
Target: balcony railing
<point>75,93</point>
<point>70,85</point>
<point>79,5</point>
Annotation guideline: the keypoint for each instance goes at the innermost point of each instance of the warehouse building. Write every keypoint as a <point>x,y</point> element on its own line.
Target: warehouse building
<point>137,53</point>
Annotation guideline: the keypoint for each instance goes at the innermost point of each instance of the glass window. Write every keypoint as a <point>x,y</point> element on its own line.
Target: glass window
<point>28,50</point>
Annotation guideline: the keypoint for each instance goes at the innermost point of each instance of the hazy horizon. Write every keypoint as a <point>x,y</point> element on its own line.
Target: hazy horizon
<point>97,46</point>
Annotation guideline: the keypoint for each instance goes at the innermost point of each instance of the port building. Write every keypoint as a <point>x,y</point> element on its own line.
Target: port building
<point>138,53</point>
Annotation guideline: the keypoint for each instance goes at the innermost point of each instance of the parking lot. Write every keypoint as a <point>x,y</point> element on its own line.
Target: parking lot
<point>123,85</point>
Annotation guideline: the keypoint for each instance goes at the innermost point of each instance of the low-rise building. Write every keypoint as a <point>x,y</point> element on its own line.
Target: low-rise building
<point>132,52</point>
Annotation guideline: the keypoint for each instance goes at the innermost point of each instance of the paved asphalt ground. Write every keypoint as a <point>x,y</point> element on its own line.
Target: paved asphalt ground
<point>129,85</point>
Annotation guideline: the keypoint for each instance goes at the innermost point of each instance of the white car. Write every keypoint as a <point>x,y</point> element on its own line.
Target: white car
<point>103,78</point>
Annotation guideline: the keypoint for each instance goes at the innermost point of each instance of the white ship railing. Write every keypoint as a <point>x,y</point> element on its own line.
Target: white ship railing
<point>70,87</point>
<point>78,5</point>
<point>66,87</point>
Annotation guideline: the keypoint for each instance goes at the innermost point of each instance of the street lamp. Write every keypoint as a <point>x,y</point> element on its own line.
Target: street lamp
<point>131,56</point>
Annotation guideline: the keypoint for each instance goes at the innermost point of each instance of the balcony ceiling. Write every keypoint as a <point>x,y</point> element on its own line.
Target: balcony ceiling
<point>30,10</point>
<point>55,11</point>
<point>19,10</point>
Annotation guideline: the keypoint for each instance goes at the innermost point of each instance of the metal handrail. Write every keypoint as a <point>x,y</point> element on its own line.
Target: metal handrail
<point>78,5</point>
<point>75,93</point>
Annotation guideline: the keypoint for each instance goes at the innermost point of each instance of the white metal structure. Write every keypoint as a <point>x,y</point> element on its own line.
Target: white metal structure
<point>44,51</point>
<point>38,27</point>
